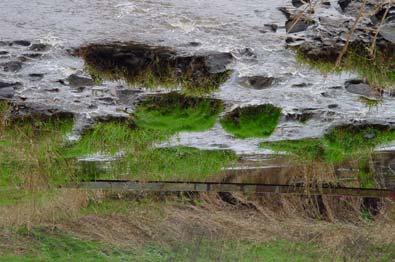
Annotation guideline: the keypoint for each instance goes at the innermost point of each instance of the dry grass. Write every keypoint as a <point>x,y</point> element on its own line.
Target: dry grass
<point>173,220</point>
<point>46,208</point>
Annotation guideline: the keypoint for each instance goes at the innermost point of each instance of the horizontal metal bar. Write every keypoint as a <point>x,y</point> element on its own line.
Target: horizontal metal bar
<point>180,186</point>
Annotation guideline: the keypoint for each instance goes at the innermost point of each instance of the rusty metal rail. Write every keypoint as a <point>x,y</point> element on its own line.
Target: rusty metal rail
<point>177,186</point>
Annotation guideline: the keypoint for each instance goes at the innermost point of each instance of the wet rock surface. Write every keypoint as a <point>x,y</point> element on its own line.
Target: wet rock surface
<point>329,28</point>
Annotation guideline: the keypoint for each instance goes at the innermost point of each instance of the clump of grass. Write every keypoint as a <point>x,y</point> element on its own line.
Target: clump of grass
<point>379,71</point>
<point>142,159</point>
<point>252,121</point>
<point>341,144</point>
<point>175,112</point>
<point>31,153</point>
<point>151,67</point>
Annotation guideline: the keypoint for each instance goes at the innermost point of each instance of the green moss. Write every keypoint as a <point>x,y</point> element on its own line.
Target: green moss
<point>379,71</point>
<point>341,144</point>
<point>253,121</point>
<point>174,112</point>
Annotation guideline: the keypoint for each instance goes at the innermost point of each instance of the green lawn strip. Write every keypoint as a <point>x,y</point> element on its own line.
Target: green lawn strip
<point>252,121</point>
<point>174,112</point>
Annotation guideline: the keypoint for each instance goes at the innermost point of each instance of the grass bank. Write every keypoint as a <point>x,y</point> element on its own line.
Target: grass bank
<point>378,71</point>
<point>252,121</point>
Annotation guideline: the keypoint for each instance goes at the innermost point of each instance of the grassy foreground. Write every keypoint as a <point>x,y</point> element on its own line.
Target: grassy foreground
<point>58,246</point>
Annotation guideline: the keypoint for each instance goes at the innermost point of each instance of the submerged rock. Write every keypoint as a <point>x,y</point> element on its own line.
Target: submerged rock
<point>39,47</point>
<point>21,42</point>
<point>359,87</point>
<point>257,82</point>
<point>7,90</point>
<point>80,81</point>
<point>12,66</point>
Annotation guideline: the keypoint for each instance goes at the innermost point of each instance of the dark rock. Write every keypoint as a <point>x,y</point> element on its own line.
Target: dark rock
<point>301,85</point>
<point>128,96</point>
<point>92,106</point>
<point>7,90</point>
<point>285,11</point>
<point>52,90</point>
<point>21,42</point>
<point>294,26</point>
<point>299,3</point>
<point>387,31</point>
<point>36,77</point>
<point>332,106</point>
<point>13,85</point>
<point>336,87</point>
<point>194,44</point>
<point>247,52</point>
<point>78,81</point>
<point>4,53</point>
<point>343,4</point>
<point>32,55</point>
<point>79,89</point>
<point>7,93</point>
<point>326,3</point>
<point>131,60</point>
<point>271,27</point>
<point>218,62</point>
<point>107,100</point>
<point>35,110</point>
<point>359,87</point>
<point>302,116</point>
<point>257,82</point>
<point>39,47</point>
<point>12,66</point>
<point>378,17</point>
<point>4,43</point>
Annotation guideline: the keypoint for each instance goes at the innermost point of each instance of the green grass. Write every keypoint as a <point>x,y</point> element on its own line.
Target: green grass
<point>252,121</point>
<point>56,245</point>
<point>379,71</point>
<point>33,151</point>
<point>142,160</point>
<point>174,112</point>
<point>341,144</point>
